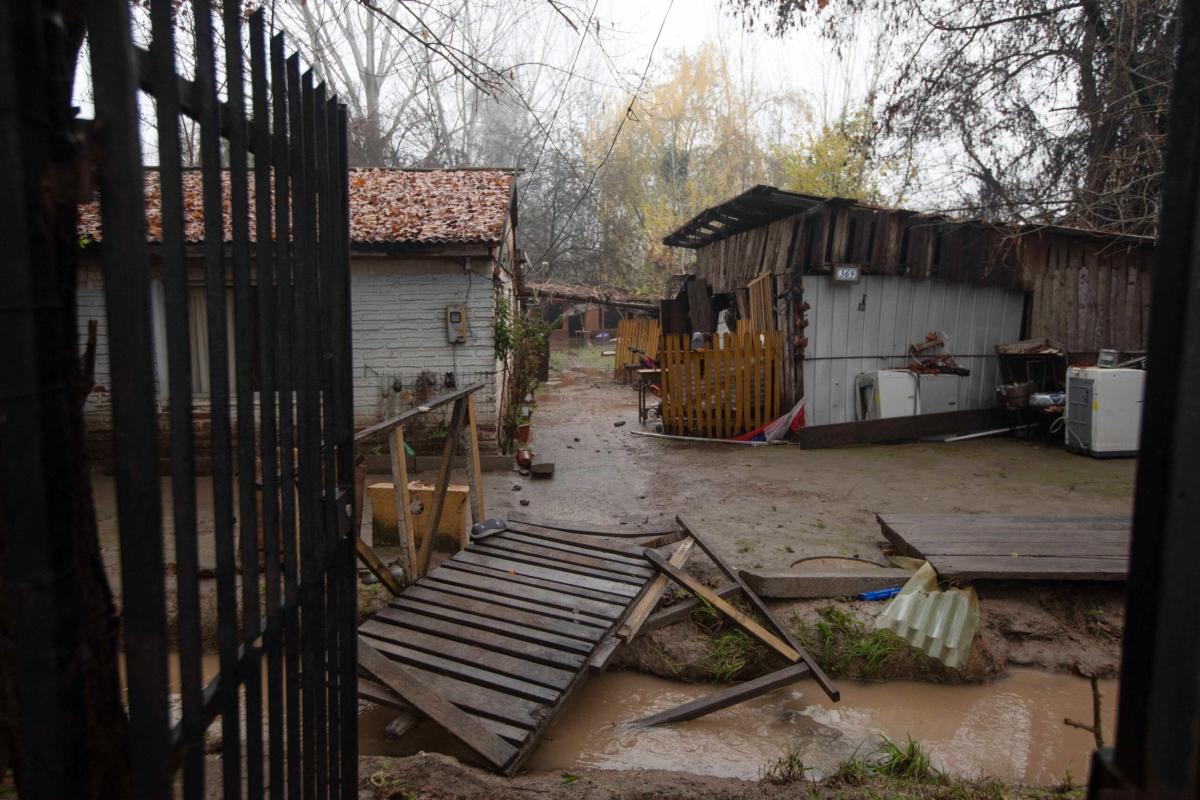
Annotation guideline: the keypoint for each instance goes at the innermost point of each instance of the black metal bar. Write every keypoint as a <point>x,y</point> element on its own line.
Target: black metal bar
<point>264,262</point>
<point>283,98</point>
<point>179,379</point>
<point>329,753</point>
<point>308,437</point>
<point>35,452</point>
<point>309,327</point>
<point>348,580</point>
<point>127,300</point>
<point>1157,751</point>
<point>243,336</point>
<point>218,376</point>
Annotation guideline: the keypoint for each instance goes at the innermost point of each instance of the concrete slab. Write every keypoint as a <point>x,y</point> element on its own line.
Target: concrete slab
<point>791,584</point>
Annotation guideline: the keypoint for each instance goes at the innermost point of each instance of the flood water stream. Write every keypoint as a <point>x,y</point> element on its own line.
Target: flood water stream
<point>1011,729</point>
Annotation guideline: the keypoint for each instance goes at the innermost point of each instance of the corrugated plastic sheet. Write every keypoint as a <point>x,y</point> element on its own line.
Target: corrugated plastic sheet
<point>942,624</point>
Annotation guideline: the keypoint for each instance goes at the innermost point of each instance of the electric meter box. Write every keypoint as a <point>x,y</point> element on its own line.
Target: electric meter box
<point>456,324</point>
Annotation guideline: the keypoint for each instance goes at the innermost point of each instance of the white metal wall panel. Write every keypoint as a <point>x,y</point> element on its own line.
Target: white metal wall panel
<point>866,326</point>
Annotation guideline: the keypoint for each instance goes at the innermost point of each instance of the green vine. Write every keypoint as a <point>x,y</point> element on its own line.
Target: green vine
<point>521,343</point>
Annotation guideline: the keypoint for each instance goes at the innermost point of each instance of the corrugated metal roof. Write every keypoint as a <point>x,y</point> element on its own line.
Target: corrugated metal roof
<point>387,206</point>
<point>762,205</point>
<point>942,624</point>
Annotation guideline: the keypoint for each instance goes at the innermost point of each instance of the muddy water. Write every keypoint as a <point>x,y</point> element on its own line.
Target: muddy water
<point>1011,729</point>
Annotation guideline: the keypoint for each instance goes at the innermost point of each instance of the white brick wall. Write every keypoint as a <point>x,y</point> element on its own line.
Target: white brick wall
<point>399,330</point>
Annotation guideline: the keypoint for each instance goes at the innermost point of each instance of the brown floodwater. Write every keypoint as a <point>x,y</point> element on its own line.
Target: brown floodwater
<point>1011,729</point>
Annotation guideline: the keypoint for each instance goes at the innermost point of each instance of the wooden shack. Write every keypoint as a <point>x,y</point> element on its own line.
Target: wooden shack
<point>851,287</point>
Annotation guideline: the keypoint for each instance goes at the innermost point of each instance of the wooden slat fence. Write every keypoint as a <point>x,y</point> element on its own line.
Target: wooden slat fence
<point>641,333</point>
<point>725,390</point>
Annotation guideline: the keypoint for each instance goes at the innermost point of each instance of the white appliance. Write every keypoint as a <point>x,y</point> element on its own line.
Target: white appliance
<point>1103,416</point>
<point>937,393</point>
<point>886,393</point>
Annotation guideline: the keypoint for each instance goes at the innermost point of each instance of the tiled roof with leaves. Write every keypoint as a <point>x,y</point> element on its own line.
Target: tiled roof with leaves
<point>387,206</point>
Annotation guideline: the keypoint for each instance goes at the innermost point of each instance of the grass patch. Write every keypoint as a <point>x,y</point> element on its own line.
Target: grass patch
<point>788,768</point>
<point>728,653</point>
<point>908,761</point>
<point>845,644</point>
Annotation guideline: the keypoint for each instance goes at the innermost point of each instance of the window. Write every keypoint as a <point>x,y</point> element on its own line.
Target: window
<point>198,340</point>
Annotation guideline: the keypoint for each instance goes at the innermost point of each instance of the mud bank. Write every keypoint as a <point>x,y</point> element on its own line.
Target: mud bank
<point>433,777</point>
<point>1075,629</point>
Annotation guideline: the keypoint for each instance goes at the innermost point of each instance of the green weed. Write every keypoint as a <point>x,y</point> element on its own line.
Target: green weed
<point>728,652</point>
<point>788,768</point>
<point>852,772</point>
<point>909,761</point>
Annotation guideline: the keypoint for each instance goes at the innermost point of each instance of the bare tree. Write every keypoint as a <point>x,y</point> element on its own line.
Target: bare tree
<point>1054,109</point>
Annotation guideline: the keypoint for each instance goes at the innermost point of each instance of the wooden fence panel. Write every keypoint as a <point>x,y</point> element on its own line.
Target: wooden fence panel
<point>727,390</point>
<point>641,334</point>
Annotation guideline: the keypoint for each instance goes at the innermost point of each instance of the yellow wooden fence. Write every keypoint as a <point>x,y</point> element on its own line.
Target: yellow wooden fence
<point>726,390</point>
<point>641,333</point>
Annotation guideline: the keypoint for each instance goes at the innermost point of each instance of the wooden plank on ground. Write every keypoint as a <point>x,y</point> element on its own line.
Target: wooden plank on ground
<point>595,544</point>
<point>683,609</point>
<point>1041,569</point>
<point>726,697</point>
<point>596,566</point>
<point>649,601</point>
<point>818,674</point>
<point>380,695</point>
<point>490,614</point>
<point>454,632</point>
<point>408,686</point>
<point>901,429</point>
<point>500,586</point>
<point>596,529</point>
<point>566,578</point>
<point>743,621</point>
<point>514,687</point>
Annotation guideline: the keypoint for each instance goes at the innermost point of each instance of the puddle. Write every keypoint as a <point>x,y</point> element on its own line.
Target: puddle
<point>1011,729</point>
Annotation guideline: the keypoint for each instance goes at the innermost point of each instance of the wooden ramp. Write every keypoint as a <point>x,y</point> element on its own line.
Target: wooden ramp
<point>1014,547</point>
<point>493,642</point>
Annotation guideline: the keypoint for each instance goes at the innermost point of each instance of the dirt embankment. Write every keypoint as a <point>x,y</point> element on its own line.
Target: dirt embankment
<point>1073,629</point>
<point>428,776</point>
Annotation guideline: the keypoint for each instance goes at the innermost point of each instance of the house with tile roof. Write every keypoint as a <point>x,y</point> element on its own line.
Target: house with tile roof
<point>433,256</point>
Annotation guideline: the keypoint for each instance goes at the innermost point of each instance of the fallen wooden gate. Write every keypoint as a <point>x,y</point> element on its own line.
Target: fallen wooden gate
<point>493,642</point>
<point>727,389</point>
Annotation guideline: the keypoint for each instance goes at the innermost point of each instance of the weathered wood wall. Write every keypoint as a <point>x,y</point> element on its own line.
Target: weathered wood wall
<point>1085,291</point>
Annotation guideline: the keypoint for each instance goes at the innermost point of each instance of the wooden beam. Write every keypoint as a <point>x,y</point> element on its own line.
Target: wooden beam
<point>404,518</point>
<point>376,565</point>
<point>901,429</point>
<point>649,601</point>
<point>743,621</point>
<point>404,416</point>
<point>680,611</point>
<point>442,484</point>
<point>818,674</point>
<point>457,722</point>
<point>726,697</point>
<point>475,473</point>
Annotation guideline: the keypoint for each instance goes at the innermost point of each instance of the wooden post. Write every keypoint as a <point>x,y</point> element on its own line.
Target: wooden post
<point>639,614</point>
<point>404,520</point>
<point>478,507</point>
<point>443,482</point>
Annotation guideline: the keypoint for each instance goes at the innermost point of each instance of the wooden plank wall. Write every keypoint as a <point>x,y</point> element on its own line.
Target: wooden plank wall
<point>642,333</point>
<point>1086,292</point>
<point>723,391</point>
<point>762,303</point>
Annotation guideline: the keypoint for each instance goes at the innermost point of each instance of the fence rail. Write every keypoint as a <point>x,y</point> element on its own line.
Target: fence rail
<point>725,390</point>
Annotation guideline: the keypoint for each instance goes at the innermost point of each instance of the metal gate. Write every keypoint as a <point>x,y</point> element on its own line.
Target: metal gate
<point>281,435</point>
